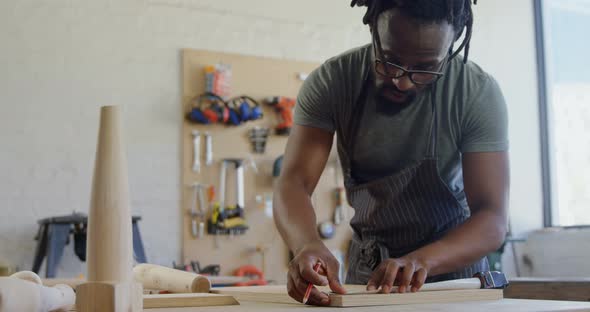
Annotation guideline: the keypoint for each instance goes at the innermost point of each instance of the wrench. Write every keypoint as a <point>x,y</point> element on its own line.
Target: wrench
<point>208,149</point>
<point>193,211</point>
<point>197,151</point>
<point>202,206</point>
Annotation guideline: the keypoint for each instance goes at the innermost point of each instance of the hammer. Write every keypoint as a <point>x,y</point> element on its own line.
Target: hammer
<point>480,280</point>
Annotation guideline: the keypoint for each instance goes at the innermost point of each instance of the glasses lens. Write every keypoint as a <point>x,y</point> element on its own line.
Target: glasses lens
<point>424,78</point>
<point>388,70</point>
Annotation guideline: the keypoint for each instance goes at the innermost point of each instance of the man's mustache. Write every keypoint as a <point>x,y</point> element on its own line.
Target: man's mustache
<point>393,88</point>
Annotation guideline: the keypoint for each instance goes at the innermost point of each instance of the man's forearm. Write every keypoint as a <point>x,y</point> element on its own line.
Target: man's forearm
<point>294,214</point>
<point>481,234</point>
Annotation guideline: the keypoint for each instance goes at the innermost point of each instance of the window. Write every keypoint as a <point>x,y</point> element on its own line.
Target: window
<point>563,29</point>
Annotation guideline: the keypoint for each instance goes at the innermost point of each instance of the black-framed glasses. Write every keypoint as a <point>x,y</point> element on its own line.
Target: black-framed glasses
<point>394,71</point>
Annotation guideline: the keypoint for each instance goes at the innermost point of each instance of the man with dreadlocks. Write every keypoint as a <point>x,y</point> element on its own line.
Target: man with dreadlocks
<point>422,135</point>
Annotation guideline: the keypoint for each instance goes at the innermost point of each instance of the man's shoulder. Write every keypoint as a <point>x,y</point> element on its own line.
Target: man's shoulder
<point>328,93</point>
<point>469,79</point>
<point>469,70</point>
<point>352,59</point>
<point>341,77</point>
<point>356,53</point>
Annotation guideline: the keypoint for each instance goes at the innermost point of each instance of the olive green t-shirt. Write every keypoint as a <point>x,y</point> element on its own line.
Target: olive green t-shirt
<point>471,114</point>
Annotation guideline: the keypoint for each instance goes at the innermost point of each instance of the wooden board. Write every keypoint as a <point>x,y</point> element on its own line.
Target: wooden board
<point>187,300</point>
<point>227,280</point>
<point>482,306</point>
<point>519,305</point>
<point>269,294</point>
<point>439,296</point>
<point>278,294</point>
<point>216,281</point>
<point>258,77</point>
<point>549,289</point>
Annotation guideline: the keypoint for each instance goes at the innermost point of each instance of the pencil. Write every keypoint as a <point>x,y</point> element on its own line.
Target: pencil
<point>316,268</point>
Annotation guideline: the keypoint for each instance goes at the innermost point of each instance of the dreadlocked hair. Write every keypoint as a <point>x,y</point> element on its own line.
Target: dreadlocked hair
<point>458,13</point>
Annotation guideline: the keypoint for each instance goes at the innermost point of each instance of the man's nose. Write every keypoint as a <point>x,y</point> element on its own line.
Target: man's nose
<point>403,83</point>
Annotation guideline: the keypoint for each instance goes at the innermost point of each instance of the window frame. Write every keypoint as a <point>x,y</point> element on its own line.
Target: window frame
<point>543,114</point>
<point>546,138</point>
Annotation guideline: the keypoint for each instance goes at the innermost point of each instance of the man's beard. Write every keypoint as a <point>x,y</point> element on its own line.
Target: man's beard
<point>395,96</point>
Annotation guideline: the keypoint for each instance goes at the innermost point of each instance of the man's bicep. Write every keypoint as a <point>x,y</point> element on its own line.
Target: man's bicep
<point>486,177</point>
<point>485,124</point>
<point>306,155</point>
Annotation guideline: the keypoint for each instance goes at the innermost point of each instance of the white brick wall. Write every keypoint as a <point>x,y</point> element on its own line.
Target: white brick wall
<point>62,59</point>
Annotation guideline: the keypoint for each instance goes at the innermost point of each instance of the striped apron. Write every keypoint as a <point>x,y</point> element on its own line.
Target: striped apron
<point>400,213</point>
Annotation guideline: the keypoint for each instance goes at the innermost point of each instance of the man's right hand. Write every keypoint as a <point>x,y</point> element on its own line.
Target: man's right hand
<point>301,273</point>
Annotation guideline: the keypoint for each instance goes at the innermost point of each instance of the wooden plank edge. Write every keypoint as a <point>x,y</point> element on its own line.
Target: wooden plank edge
<point>442,296</point>
<point>258,297</point>
<point>187,300</point>
<point>549,290</point>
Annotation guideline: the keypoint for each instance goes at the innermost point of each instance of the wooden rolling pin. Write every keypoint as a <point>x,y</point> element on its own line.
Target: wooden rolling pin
<point>26,294</point>
<point>28,276</point>
<point>162,278</point>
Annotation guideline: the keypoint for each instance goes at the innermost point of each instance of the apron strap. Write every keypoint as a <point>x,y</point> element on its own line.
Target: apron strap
<point>357,116</point>
<point>349,138</point>
<point>431,150</point>
<point>348,129</point>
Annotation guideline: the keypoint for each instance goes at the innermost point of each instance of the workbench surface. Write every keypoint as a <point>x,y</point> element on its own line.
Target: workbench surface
<point>492,306</point>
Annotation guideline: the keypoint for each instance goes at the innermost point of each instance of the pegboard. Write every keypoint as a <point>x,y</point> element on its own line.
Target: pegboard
<point>259,78</point>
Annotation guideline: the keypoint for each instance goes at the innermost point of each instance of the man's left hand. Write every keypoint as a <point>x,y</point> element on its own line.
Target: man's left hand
<point>406,272</point>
